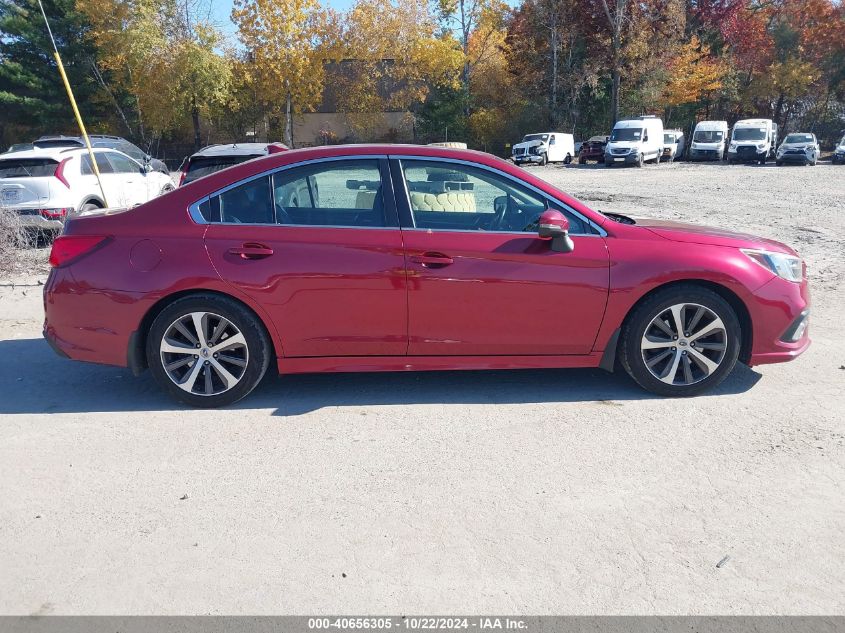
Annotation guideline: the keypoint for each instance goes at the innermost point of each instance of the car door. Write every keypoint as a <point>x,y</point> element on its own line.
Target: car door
<point>480,281</point>
<point>111,182</point>
<point>319,247</point>
<point>131,180</point>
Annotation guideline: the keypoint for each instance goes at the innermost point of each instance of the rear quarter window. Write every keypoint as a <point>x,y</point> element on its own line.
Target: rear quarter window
<point>27,167</point>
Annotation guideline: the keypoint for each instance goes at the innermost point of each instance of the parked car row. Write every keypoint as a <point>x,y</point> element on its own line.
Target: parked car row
<point>642,139</point>
<point>52,178</point>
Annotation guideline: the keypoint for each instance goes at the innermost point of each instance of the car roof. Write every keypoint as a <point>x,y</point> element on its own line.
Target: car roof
<point>55,153</point>
<point>233,149</point>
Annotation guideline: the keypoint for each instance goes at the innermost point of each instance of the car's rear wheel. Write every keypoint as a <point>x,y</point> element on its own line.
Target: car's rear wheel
<point>207,351</point>
<point>681,341</point>
<point>90,206</point>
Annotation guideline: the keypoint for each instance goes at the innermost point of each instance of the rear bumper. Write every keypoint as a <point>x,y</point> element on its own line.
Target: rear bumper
<point>39,222</point>
<point>86,324</point>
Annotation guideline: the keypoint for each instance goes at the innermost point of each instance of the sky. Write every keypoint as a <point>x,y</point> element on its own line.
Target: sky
<point>221,11</point>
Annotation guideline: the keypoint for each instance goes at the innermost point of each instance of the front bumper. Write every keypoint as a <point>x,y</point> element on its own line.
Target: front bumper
<point>705,154</point>
<point>630,158</point>
<point>746,155</point>
<point>778,308</point>
<point>528,158</point>
<point>794,158</point>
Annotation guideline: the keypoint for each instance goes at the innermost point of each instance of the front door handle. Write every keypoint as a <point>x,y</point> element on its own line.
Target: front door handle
<point>432,260</point>
<point>251,250</point>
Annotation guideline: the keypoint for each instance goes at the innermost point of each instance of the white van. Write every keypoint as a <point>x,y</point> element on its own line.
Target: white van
<point>673,144</point>
<point>753,140</point>
<point>709,141</point>
<point>635,141</point>
<point>544,147</point>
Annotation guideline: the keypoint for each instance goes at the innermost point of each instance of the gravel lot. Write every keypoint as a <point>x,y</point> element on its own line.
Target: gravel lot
<point>509,492</point>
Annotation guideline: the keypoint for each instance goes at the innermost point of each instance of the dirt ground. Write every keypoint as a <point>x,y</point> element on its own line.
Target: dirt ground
<point>568,492</point>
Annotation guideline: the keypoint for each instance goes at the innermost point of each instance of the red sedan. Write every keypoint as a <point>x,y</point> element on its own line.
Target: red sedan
<point>394,258</point>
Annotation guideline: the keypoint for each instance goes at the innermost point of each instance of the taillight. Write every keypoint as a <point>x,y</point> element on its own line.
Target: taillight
<point>60,173</point>
<point>55,214</point>
<point>69,248</point>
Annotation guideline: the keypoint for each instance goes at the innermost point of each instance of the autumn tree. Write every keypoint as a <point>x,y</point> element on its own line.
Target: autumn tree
<point>694,74</point>
<point>161,55</point>
<point>284,43</point>
<point>390,57</point>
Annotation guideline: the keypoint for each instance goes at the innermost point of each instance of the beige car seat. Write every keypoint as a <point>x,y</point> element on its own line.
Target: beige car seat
<point>463,201</point>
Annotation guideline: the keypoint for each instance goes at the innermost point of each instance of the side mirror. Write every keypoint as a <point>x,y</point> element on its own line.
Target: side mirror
<point>553,225</point>
<point>645,138</point>
<point>147,168</point>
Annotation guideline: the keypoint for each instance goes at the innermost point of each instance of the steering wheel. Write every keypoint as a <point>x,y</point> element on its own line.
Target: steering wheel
<point>500,206</point>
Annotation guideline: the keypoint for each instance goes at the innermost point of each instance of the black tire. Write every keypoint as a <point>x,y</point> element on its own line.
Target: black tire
<point>567,160</point>
<point>258,348</point>
<point>658,157</point>
<point>631,354</point>
<point>544,160</point>
<point>608,162</point>
<point>778,163</point>
<point>640,160</point>
<point>89,206</point>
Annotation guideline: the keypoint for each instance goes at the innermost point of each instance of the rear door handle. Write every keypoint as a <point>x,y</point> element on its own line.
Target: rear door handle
<point>251,250</point>
<point>432,260</point>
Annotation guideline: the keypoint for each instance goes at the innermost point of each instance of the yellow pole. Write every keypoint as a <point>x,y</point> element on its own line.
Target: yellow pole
<point>75,108</point>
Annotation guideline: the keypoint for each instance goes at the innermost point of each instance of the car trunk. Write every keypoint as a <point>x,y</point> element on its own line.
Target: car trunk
<point>26,182</point>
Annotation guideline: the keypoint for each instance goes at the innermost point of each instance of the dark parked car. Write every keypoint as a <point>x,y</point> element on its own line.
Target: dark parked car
<point>104,141</point>
<point>410,258</point>
<point>593,149</point>
<point>216,157</point>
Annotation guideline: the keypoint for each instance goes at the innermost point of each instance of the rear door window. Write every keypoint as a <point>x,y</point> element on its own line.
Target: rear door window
<point>27,167</point>
<point>122,164</point>
<point>103,165</point>
<point>200,166</point>
<point>344,193</point>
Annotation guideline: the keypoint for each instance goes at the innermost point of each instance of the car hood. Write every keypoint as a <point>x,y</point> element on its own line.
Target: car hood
<point>527,144</point>
<point>623,144</point>
<point>695,234</point>
<point>803,145</point>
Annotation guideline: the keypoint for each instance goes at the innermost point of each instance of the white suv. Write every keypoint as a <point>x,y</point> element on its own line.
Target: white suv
<point>44,186</point>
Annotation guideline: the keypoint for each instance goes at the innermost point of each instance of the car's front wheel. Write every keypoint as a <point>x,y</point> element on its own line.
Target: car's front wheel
<point>681,341</point>
<point>207,351</point>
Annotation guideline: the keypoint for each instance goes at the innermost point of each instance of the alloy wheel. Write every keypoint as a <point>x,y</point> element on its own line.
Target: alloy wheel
<point>204,353</point>
<point>684,344</point>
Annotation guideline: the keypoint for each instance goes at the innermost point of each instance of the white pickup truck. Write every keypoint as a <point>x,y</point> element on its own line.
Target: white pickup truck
<point>544,147</point>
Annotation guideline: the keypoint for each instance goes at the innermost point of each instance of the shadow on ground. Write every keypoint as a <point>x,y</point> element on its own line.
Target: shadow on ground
<point>34,380</point>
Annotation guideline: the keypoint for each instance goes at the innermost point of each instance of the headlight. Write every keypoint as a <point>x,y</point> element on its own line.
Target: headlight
<point>733,146</point>
<point>761,146</point>
<point>786,266</point>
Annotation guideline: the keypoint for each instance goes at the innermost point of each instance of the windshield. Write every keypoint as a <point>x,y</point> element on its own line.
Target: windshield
<point>202,166</point>
<point>798,138</point>
<point>535,137</point>
<point>670,139</point>
<point>708,136</point>
<point>626,134</point>
<point>749,134</point>
<point>27,167</point>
